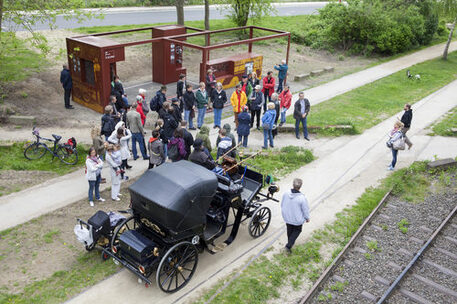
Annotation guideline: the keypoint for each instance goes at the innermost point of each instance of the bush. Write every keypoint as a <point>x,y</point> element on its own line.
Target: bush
<point>363,27</point>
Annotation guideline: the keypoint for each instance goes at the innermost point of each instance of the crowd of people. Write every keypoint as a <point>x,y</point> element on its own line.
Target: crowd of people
<point>122,124</point>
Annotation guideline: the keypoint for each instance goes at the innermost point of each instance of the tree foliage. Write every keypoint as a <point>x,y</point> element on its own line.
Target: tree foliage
<point>381,26</point>
<point>448,9</point>
<point>242,10</point>
<point>26,14</point>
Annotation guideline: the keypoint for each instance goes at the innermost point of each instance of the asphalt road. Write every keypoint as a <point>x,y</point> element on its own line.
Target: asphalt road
<point>147,15</point>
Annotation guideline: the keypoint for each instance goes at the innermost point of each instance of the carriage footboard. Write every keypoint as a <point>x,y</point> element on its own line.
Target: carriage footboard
<point>128,266</point>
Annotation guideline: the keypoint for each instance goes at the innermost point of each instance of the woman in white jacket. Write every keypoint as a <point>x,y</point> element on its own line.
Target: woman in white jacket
<point>115,171</point>
<point>94,167</point>
<point>121,136</point>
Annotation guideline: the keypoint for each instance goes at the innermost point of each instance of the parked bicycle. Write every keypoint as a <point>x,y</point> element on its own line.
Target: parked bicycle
<point>66,152</point>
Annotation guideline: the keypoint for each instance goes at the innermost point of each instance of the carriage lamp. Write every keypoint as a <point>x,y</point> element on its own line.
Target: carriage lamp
<point>272,189</point>
<point>155,252</point>
<point>141,269</point>
<point>114,249</point>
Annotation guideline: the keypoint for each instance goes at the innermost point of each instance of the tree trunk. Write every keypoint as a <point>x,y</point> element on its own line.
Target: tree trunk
<point>179,11</point>
<point>1,14</point>
<point>207,15</point>
<point>446,48</point>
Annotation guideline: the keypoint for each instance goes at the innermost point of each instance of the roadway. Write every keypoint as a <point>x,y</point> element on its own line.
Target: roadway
<point>167,14</point>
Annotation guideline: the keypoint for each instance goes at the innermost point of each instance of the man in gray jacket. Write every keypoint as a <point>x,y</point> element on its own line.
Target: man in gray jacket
<point>295,211</point>
<point>136,127</point>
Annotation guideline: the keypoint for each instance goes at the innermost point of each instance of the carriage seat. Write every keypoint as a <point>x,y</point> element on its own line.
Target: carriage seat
<point>57,137</point>
<point>226,186</point>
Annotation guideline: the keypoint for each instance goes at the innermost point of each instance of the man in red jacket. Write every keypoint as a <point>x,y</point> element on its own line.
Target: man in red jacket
<point>268,88</point>
<point>285,97</point>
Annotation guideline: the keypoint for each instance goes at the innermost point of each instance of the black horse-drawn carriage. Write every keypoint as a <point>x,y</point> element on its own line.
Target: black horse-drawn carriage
<point>180,209</point>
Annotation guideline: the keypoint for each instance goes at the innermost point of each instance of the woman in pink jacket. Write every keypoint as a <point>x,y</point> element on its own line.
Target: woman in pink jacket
<point>286,98</point>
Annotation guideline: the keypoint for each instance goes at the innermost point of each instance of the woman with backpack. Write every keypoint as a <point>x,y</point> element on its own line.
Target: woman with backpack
<point>396,142</point>
<point>108,122</point>
<point>176,146</point>
<point>268,120</point>
<point>94,167</point>
<point>244,126</point>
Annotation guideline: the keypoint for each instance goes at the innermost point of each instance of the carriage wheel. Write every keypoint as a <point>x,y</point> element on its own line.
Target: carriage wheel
<point>259,222</point>
<point>128,224</point>
<point>177,267</point>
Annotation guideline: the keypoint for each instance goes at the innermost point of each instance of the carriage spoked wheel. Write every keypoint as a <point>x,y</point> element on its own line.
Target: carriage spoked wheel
<point>259,222</point>
<point>177,267</point>
<point>128,224</point>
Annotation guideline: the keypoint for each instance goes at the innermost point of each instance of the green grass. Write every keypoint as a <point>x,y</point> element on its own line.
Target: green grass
<point>443,127</point>
<point>12,158</point>
<point>373,246</point>
<point>17,60</point>
<point>279,163</point>
<point>51,235</point>
<point>370,104</point>
<point>403,225</point>
<point>86,271</point>
<point>255,285</point>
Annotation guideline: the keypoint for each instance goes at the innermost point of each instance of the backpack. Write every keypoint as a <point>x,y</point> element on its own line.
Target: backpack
<point>107,128</point>
<point>155,103</point>
<point>173,152</point>
<point>145,107</point>
<point>71,142</point>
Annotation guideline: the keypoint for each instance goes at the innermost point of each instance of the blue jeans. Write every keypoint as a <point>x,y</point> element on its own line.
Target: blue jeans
<point>280,82</point>
<point>165,151</point>
<point>244,139</point>
<point>267,135</point>
<point>297,126</point>
<point>217,117</point>
<point>394,158</point>
<point>266,99</point>
<point>190,122</point>
<point>138,137</point>
<point>94,185</point>
<point>201,117</point>
<point>283,115</point>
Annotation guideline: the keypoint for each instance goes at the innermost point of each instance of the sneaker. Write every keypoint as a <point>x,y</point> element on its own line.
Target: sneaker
<point>116,199</point>
<point>101,199</point>
<point>192,128</point>
<point>120,194</point>
<point>214,127</point>
<point>390,168</point>
<point>135,158</point>
<point>297,137</point>
<point>91,203</point>
<point>306,138</point>
<point>280,124</point>
<point>287,250</point>
<point>128,167</point>
<point>126,178</point>
<point>146,158</point>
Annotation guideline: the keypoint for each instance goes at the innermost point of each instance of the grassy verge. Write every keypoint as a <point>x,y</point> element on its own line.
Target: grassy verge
<point>370,104</point>
<point>12,158</point>
<point>264,278</point>
<point>444,126</point>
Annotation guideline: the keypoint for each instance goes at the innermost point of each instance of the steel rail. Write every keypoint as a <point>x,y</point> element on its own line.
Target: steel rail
<point>330,269</point>
<point>394,285</point>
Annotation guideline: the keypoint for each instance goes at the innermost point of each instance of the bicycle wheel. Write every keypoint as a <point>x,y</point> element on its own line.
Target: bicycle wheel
<point>35,151</point>
<point>67,155</point>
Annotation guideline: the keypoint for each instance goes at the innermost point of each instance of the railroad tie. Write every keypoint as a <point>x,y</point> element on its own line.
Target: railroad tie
<point>435,285</point>
<point>416,298</point>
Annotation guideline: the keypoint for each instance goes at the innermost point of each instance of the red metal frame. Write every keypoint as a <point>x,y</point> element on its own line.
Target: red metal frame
<point>176,39</point>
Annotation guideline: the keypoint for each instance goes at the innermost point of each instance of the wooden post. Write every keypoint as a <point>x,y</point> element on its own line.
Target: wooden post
<point>287,56</point>
<point>203,66</point>
<point>251,30</point>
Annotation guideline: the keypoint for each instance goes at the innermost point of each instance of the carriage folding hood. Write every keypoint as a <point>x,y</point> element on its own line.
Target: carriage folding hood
<point>176,196</point>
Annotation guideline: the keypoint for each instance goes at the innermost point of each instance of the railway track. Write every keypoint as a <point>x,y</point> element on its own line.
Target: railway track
<point>402,253</point>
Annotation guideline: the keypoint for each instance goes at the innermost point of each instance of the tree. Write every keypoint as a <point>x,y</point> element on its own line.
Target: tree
<point>207,15</point>
<point>449,10</point>
<point>179,11</point>
<point>25,14</point>
<point>243,9</point>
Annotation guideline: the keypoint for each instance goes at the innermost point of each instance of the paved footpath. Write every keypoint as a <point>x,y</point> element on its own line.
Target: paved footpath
<point>331,183</point>
<point>22,206</point>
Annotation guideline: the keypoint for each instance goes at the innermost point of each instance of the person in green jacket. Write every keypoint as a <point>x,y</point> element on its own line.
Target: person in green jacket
<point>202,102</point>
<point>246,87</point>
<point>204,136</point>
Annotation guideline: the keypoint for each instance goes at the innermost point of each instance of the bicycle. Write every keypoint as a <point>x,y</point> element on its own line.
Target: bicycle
<point>36,150</point>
